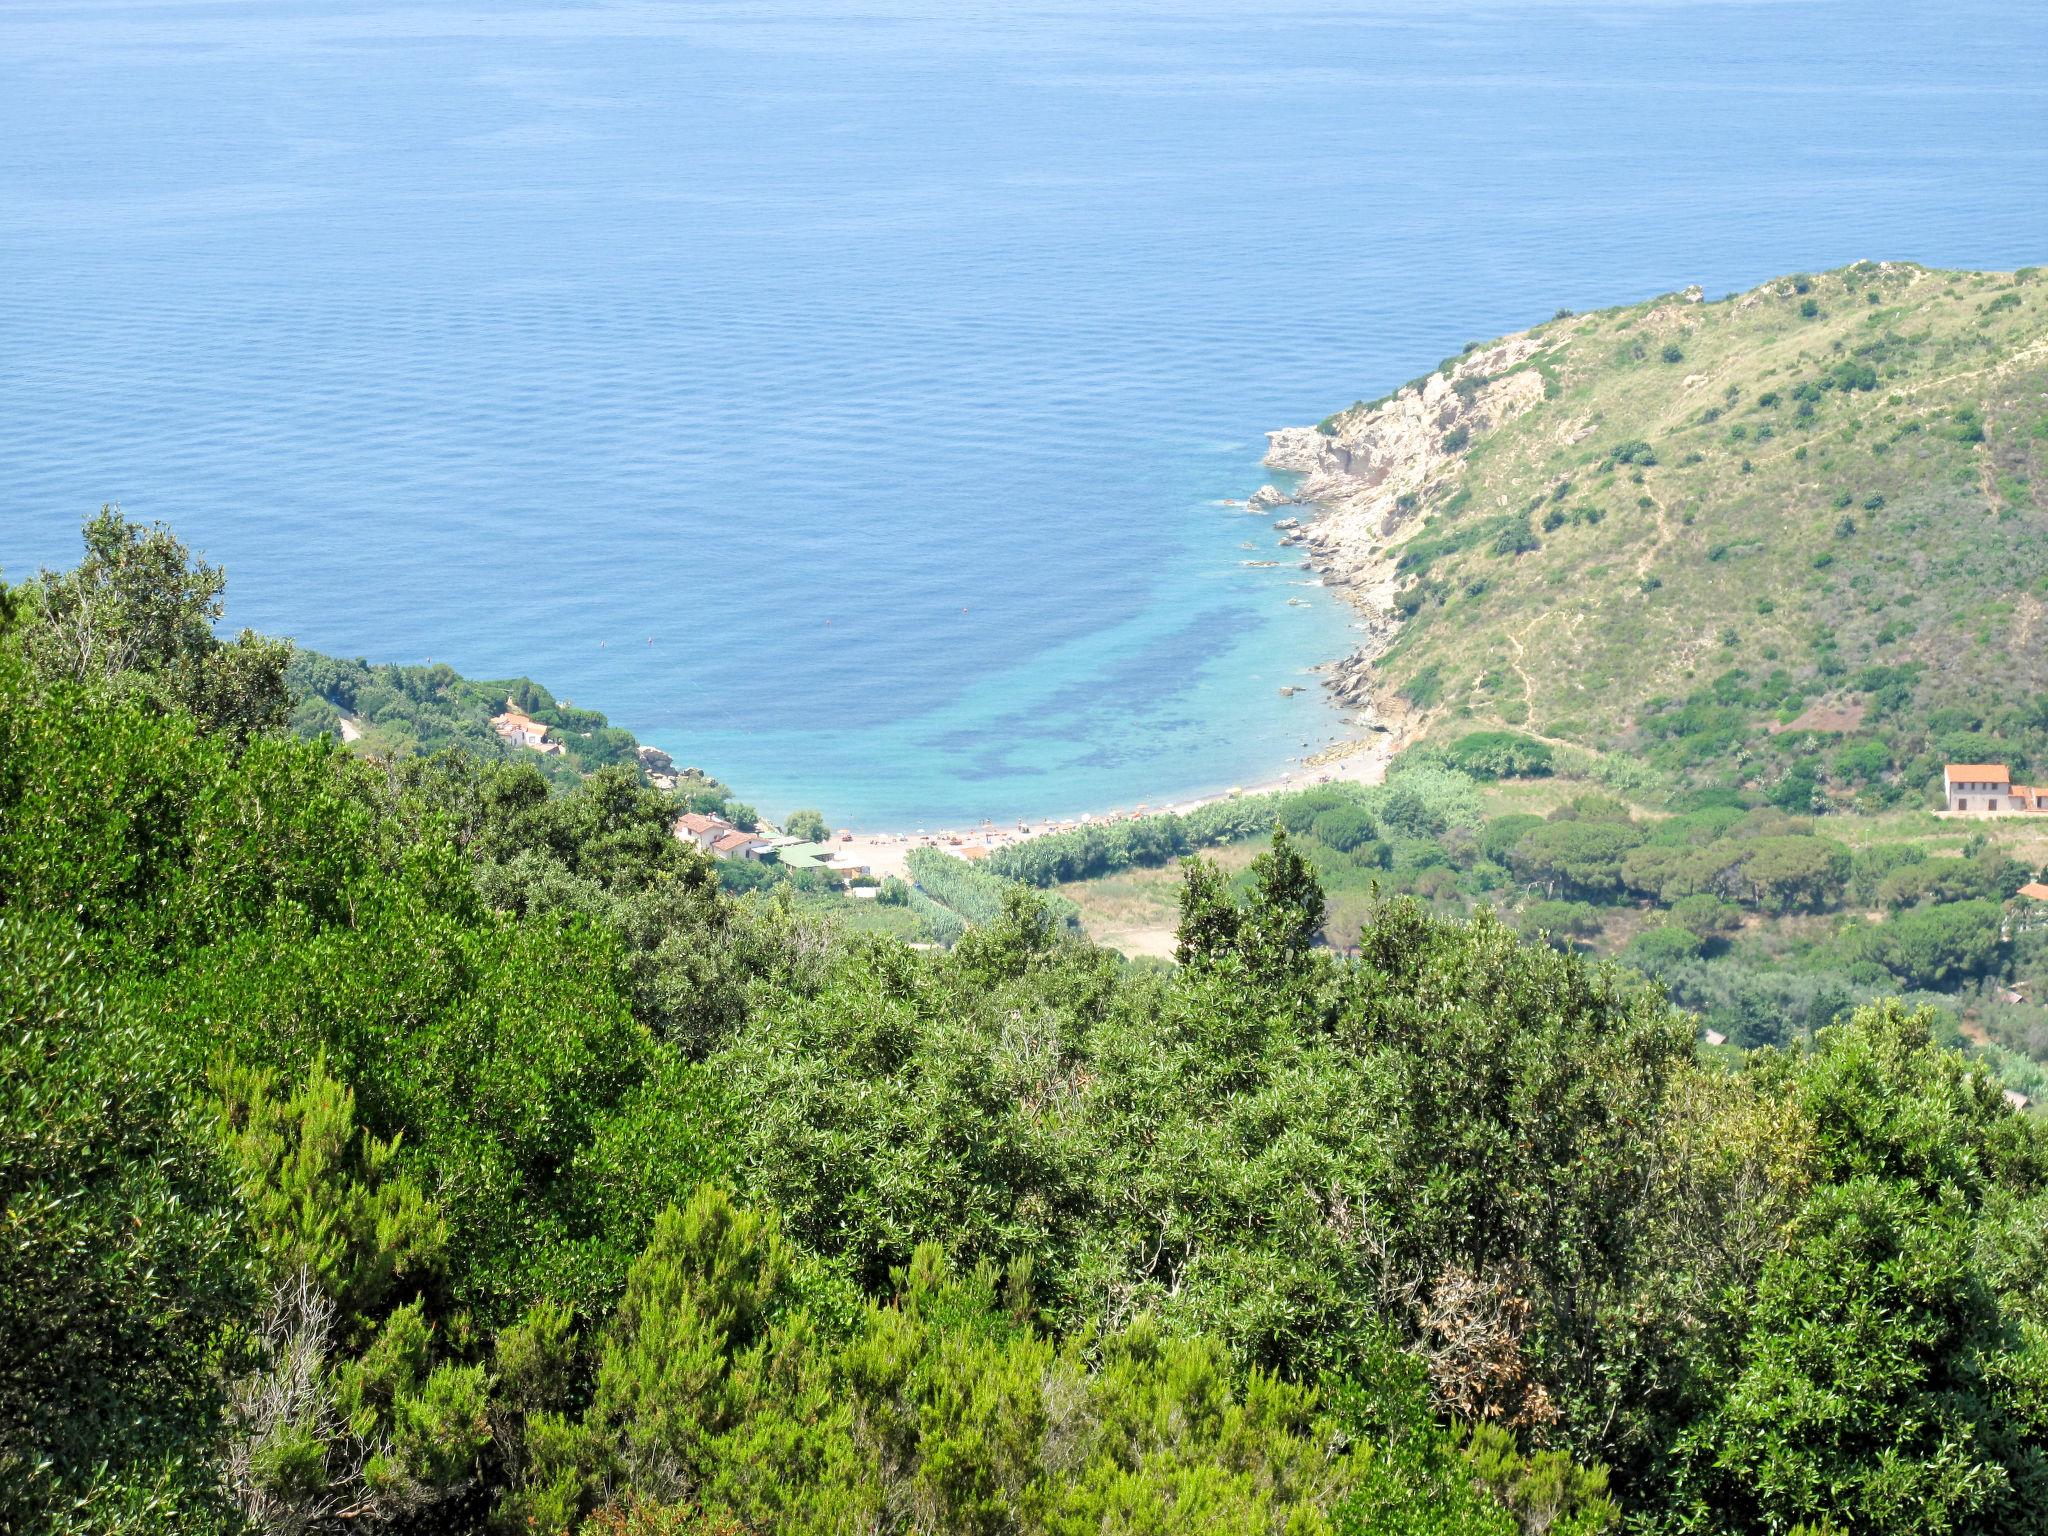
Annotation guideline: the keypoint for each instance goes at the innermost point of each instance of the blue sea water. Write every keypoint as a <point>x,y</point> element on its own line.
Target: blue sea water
<point>839,395</point>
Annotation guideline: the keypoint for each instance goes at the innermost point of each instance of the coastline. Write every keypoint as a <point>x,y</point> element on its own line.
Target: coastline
<point>1358,483</point>
<point>1358,760</point>
<point>1364,477</point>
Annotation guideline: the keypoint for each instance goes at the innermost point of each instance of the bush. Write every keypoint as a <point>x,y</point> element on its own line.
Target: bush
<point>808,825</point>
<point>1299,811</point>
<point>1499,755</point>
<point>1848,375</point>
<point>1344,828</point>
<point>1655,948</point>
<point>1516,537</point>
<point>1861,760</point>
<point>1566,919</point>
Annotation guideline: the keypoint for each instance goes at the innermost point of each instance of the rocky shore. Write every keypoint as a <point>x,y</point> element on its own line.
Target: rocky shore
<point>1367,475</point>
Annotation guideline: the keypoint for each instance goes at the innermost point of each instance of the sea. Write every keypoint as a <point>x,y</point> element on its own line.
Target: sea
<point>847,397</point>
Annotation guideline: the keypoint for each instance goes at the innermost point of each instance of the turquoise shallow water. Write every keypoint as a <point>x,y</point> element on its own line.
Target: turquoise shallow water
<point>881,364</point>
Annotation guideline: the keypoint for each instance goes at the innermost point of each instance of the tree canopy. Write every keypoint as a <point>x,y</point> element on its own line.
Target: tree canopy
<point>417,1146</point>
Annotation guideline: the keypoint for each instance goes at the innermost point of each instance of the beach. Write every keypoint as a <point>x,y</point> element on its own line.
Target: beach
<point>1361,760</point>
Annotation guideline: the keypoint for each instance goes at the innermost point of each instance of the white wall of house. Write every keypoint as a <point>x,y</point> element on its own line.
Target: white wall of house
<point>1979,795</point>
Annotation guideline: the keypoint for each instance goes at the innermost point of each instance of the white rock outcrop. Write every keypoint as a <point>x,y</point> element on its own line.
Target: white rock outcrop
<point>1368,477</point>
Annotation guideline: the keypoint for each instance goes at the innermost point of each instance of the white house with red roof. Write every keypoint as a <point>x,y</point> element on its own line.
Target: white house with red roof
<point>735,844</point>
<point>694,827</point>
<point>1987,788</point>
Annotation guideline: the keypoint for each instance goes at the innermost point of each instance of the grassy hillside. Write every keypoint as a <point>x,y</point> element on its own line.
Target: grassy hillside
<point>1796,531</point>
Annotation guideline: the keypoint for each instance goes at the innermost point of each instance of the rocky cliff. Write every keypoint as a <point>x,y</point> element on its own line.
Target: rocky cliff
<point>1371,470</point>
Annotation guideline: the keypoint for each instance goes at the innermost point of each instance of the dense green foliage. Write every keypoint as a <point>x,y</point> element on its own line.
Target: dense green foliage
<point>137,615</point>
<point>974,894</point>
<point>1424,801</point>
<point>409,1147</point>
<point>1769,924</point>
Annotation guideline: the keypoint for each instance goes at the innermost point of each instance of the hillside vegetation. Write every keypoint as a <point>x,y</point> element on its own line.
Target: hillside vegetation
<point>1771,925</point>
<point>409,1147</point>
<point>405,711</point>
<point>1798,531</point>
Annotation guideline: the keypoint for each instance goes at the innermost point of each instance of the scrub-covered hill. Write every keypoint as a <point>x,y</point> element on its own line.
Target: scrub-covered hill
<point>1796,531</point>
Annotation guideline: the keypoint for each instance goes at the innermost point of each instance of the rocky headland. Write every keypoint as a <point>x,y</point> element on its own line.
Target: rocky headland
<point>1368,474</point>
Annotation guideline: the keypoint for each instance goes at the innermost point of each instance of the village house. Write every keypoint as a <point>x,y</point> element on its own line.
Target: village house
<point>516,728</point>
<point>1985,788</point>
<point>735,844</point>
<point>692,827</point>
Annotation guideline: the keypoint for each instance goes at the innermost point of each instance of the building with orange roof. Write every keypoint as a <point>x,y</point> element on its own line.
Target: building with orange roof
<point>517,728</point>
<point>736,844</point>
<point>1988,789</point>
<point>693,827</point>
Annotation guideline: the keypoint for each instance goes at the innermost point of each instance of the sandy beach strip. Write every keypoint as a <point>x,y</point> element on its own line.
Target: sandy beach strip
<point>1361,760</point>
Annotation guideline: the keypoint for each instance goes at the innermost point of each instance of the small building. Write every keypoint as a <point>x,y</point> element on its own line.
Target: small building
<point>517,728</point>
<point>1715,1037</point>
<point>795,855</point>
<point>691,827</point>
<point>2016,1099</point>
<point>2034,890</point>
<point>1988,789</point>
<point>735,844</point>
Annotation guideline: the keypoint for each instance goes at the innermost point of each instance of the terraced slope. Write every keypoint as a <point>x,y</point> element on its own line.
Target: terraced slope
<point>1800,530</point>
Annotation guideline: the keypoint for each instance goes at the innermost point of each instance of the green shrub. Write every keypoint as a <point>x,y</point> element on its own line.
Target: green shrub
<point>1655,948</point>
<point>1516,537</point>
<point>1560,919</point>
<point>1499,755</point>
<point>1345,828</point>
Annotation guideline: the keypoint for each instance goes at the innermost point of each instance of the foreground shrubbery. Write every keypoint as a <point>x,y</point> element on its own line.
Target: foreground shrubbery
<point>421,1150</point>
